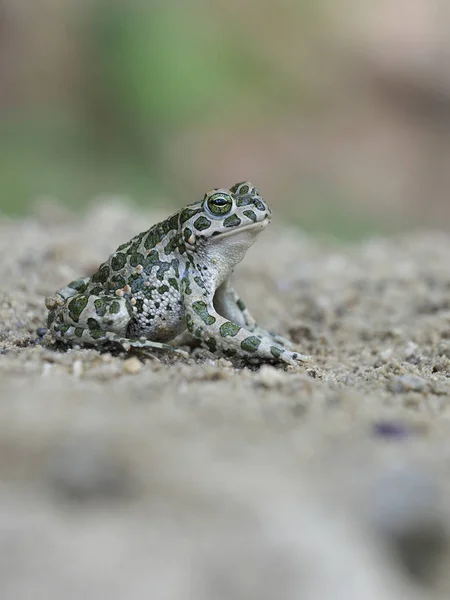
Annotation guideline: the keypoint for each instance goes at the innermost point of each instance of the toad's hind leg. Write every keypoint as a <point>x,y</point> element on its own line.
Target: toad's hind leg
<point>97,321</point>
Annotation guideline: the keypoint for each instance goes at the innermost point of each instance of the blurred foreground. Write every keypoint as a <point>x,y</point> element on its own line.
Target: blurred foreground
<point>339,111</point>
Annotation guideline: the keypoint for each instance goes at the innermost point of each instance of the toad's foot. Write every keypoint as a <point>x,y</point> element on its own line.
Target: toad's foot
<point>144,347</point>
<point>278,339</point>
<point>294,359</point>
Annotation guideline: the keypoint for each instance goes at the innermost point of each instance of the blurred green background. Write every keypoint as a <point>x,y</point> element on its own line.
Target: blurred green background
<point>338,110</point>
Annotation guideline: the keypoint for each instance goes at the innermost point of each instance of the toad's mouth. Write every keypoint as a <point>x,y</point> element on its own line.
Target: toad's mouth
<point>256,227</point>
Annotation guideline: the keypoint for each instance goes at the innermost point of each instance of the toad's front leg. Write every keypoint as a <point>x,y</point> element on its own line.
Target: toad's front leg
<point>223,335</point>
<point>230,305</point>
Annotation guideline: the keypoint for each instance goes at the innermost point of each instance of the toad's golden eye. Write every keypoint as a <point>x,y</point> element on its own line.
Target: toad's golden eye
<point>219,204</point>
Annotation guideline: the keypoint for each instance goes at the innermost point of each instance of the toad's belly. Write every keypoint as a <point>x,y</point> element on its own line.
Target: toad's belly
<point>161,328</point>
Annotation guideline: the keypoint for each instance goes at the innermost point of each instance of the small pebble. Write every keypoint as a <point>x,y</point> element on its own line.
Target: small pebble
<point>77,368</point>
<point>224,362</point>
<point>411,348</point>
<point>85,470</point>
<point>269,376</point>
<point>407,383</point>
<point>386,355</point>
<point>46,369</point>
<point>391,430</point>
<point>405,506</point>
<point>132,365</point>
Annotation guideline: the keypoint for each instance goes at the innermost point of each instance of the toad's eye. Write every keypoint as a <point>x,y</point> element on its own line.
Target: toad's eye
<point>220,204</point>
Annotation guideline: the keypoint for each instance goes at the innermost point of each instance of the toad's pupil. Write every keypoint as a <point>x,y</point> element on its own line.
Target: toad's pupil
<point>220,201</point>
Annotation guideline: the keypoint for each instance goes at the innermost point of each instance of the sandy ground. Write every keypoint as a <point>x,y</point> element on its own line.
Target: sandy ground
<point>184,479</point>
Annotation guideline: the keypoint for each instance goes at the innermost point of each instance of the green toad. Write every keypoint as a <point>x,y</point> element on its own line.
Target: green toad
<point>172,278</point>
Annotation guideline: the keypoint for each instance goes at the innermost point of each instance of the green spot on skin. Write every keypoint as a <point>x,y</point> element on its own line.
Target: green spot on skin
<point>232,221</point>
<point>136,282</point>
<point>172,245</point>
<point>79,285</point>
<point>102,274</point>
<point>96,333</point>
<point>151,260</point>
<point>100,307</point>
<point>236,186</point>
<point>129,307</point>
<point>189,323</point>
<point>162,270</point>
<point>187,213</point>
<point>241,304</point>
<point>136,259</point>
<point>134,245</point>
<point>175,266</point>
<point>250,214</point>
<point>118,261</point>
<point>202,223</point>
<point>199,306</point>
<point>76,307</point>
<point>96,290</point>
<point>154,236</point>
<point>118,282</point>
<point>212,344</point>
<point>165,227</point>
<point>93,324</point>
<point>172,222</point>
<point>139,306</point>
<point>78,331</point>
<point>114,307</point>
<point>186,285</point>
<point>275,351</point>
<point>115,284</point>
<point>198,332</point>
<point>163,289</point>
<point>230,352</point>
<point>174,283</point>
<point>201,309</point>
<point>259,205</point>
<point>243,200</point>
<point>50,318</point>
<point>229,329</point>
<point>123,246</point>
<point>63,328</point>
<point>250,344</point>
